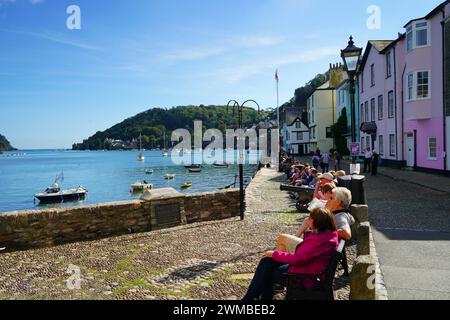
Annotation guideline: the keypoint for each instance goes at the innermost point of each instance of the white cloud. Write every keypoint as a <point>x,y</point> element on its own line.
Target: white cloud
<point>57,39</point>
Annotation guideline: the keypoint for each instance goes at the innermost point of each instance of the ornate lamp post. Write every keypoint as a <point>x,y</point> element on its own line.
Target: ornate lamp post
<point>351,57</point>
<point>238,110</point>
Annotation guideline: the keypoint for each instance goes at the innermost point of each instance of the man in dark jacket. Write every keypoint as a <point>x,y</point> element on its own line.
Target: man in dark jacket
<point>375,163</point>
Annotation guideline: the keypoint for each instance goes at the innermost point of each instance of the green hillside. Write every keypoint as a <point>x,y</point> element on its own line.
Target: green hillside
<point>4,144</point>
<point>153,123</point>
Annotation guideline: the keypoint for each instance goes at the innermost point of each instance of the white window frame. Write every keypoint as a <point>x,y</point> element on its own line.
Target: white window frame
<point>366,111</point>
<point>301,136</point>
<point>380,107</point>
<point>429,149</point>
<point>411,30</point>
<point>373,113</point>
<point>372,75</point>
<point>415,77</point>
<point>381,145</point>
<point>391,107</point>
<point>392,151</point>
<point>388,64</point>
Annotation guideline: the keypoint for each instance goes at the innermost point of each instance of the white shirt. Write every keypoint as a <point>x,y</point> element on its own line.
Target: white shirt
<point>368,154</point>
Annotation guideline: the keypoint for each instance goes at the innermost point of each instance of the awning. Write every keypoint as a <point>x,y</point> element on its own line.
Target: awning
<point>369,127</point>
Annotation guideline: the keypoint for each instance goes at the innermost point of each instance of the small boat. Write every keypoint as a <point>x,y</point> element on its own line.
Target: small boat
<point>221,166</point>
<point>169,176</point>
<point>141,186</point>
<point>194,166</point>
<point>186,185</point>
<point>195,170</point>
<point>54,194</point>
<point>149,171</point>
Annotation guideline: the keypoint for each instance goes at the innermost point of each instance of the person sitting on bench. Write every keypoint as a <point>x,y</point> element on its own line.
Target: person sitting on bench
<point>312,256</point>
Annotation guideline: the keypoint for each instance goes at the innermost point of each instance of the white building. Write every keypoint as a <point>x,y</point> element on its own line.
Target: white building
<point>297,137</point>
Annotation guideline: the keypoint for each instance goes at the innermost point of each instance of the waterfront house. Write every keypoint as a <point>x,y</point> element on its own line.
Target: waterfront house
<point>297,137</point>
<point>321,108</point>
<point>343,104</point>
<point>380,114</point>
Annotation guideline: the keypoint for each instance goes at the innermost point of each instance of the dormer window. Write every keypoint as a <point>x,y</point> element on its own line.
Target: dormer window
<point>417,35</point>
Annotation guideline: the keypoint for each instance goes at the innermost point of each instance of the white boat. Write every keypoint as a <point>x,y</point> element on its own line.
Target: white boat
<point>149,171</point>
<point>141,156</point>
<point>54,194</point>
<point>221,165</point>
<point>195,170</point>
<point>169,176</point>
<point>141,186</point>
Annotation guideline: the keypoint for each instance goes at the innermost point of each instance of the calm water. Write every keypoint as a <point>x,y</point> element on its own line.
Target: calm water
<point>106,175</point>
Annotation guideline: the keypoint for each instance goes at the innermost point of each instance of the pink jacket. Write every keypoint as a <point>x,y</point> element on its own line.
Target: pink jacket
<point>313,255</point>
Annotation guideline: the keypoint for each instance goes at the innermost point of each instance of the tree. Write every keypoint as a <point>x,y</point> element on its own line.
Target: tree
<point>338,130</point>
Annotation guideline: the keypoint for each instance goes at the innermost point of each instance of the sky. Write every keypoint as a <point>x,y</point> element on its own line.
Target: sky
<point>59,86</point>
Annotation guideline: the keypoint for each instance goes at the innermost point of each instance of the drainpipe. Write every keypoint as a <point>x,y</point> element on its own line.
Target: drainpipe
<point>403,116</point>
<point>444,62</point>
<point>395,97</point>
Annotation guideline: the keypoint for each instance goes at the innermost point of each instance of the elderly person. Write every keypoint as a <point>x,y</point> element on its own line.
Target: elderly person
<point>312,256</point>
<point>339,205</point>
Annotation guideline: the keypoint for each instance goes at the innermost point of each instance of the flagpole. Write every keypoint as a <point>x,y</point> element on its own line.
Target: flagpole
<point>278,121</point>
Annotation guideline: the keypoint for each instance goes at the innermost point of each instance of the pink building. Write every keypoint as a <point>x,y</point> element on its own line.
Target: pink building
<point>406,95</point>
<point>380,115</point>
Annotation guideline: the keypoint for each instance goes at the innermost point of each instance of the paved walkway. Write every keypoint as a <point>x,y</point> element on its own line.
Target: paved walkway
<point>411,218</point>
<point>214,260</point>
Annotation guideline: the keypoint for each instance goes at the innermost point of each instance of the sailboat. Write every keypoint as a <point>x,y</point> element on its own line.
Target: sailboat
<point>165,153</point>
<point>141,156</point>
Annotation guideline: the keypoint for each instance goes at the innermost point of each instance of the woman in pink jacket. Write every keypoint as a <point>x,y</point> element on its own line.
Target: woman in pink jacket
<point>312,256</point>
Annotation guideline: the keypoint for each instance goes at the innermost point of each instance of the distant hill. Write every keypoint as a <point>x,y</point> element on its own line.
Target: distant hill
<point>153,123</point>
<point>5,145</point>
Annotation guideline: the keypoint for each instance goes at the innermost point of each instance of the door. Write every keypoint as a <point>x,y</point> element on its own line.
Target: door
<point>410,150</point>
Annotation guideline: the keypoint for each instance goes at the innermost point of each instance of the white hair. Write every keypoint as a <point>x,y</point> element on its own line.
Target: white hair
<point>344,196</point>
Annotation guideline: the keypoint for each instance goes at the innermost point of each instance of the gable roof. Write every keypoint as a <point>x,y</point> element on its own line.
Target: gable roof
<point>431,14</point>
<point>379,45</point>
<point>290,124</point>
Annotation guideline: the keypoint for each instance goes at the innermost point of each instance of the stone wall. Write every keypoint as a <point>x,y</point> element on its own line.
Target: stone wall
<point>21,230</point>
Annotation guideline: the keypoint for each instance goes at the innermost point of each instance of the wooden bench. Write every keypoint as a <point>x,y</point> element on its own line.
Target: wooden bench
<point>322,284</point>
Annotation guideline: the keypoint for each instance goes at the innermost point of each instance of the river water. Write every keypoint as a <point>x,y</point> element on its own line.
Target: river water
<point>106,175</point>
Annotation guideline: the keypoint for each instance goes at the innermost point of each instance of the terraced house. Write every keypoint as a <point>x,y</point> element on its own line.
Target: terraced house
<point>404,94</point>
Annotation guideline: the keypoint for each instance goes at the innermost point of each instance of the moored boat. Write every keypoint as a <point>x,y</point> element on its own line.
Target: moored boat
<point>186,185</point>
<point>195,170</point>
<point>141,186</point>
<point>221,165</point>
<point>54,194</point>
<point>169,176</point>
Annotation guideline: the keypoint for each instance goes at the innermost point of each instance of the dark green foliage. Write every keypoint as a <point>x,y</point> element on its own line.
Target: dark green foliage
<point>302,94</point>
<point>152,124</point>
<point>4,144</point>
<point>339,130</point>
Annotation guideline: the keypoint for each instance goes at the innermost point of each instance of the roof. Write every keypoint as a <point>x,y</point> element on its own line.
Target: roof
<point>379,45</point>
<point>431,14</point>
<point>290,124</point>
<point>393,43</point>
<point>292,114</point>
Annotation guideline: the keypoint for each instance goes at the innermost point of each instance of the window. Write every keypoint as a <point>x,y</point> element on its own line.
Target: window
<point>392,145</point>
<point>391,111</point>
<point>312,116</point>
<point>368,142</point>
<point>422,84</point>
<point>418,85</point>
<point>372,75</point>
<point>329,133</point>
<point>362,145</point>
<point>381,145</point>
<point>432,148</point>
<point>421,34</point>
<point>409,38</point>
<point>298,125</point>
<point>362,82</point>
<point>372,109</point>
<point>410,86</point>
<point>362,113</point>
<point>366,111</point>
<point>380,108</point>
<point>299,136</point>
<point>388,65</point>
<point>417,35</point>
<point>288,136</point>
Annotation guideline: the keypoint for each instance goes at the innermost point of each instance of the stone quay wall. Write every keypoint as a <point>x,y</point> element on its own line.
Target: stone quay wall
<point>22,230</point>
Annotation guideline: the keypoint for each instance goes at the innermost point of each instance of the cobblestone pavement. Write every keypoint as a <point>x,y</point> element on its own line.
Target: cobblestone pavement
<point>212,260</point>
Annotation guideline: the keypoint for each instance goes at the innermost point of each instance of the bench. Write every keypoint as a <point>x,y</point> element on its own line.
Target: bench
<point>322,288</point>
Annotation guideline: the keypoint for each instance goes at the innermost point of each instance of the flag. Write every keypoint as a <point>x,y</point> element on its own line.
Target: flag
<point>276,76</point>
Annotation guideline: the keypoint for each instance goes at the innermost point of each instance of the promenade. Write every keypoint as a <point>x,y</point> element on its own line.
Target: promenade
<point>205,261</point>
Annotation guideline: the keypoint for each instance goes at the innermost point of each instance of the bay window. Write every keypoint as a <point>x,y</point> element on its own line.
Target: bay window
<point>417,35</point>
<point>418,85</point>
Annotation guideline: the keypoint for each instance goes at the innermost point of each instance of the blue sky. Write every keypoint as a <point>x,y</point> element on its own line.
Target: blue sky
<point>59,86</point>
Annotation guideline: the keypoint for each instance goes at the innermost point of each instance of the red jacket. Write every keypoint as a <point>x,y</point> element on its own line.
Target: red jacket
<point>313,255</point>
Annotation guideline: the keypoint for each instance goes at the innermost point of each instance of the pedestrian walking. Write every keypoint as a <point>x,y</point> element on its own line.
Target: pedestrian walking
<point>325,162</point>
<point>375,163</point>
<point>337,161</point>
<point>368,160</point>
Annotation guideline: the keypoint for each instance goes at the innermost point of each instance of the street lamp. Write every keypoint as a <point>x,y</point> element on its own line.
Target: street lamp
<point>351,56</point>
<point>238,109</point>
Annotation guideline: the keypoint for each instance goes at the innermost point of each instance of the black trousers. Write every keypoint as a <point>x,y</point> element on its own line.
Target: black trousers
<point>367,165</point>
